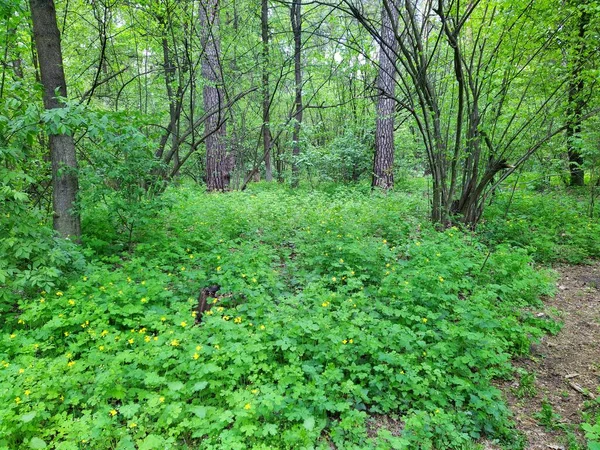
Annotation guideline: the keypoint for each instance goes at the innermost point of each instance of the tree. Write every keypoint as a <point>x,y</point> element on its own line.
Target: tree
<point>296,20</point>
<point>219,162</point>
<point>266,93</point>
<point>576,100</point>
<point>383,161</point>
<point>62,146</point>
<point>468,73</point>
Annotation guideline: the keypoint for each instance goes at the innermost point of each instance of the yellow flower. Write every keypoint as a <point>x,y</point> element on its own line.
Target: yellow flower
<point>254,391</point>
<point>66,333</point>
<point>385,241</point>
<point>209,313</point>
<point>351,341</point>
<point>254,280</point>
<point>144,300</point>
<point>175,342</point>
<point>220,309</point>
<point>161,399</point>
<point>101,348</point>
<point>132,425</point>
<point>42,300</point>
<point>59,293</point>
<point>226,317</point>
<point>21,370</point>
<point>183,324</point>
<point>155,338</point>
<point>198,347</point>
<point>72,302</point>
<point>104,333</point>
<point>334,279</point>
<point>27,392</point>
<point>218,268</point>
<point>191,256</point>
<point>262,327</point>
<point>341,261</point>
<point>131,341</point>
<point>147,338</point>
<point>129,279</point>
<point>143,283</point>
<point>85,278</point>
<point>237,320</point>
<point>325,304</point>
<point>18,400</point>
<point>344,341</point>
<point>424,353</point>
<point>441,279</point>
<point>183,269</point>
<point>424,320</point>
<point>71,363</point>
<point>162,319</point>
<point>417,243</point>
<point>247,406</point>
<point>196,356</point>
<point>102,288</point>
<point>21,321</point>
<point>217,346</point>
<point>12,336</point>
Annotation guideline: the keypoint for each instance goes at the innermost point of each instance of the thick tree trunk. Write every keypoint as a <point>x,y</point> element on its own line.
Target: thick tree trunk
<point>266,131</point>
<point>383,162</point>
<point>576,105</point>
<point>219,163</point>
<point>62,147</point>
<point>296,18</point>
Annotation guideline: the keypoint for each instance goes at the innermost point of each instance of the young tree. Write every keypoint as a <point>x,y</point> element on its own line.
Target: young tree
<point>219,163</point>
<point>383,162</point>
<point>62,147</point>
<point>266,93</point>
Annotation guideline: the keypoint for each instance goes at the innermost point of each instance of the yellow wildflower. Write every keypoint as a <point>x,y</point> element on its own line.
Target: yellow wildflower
<point>237,320</point>
<point>175,342</point>
<point>59,293</point>
<point>247,406</point>
<point>196,356</point>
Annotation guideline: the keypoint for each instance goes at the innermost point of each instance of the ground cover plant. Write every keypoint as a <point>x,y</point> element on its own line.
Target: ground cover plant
<point>341,304</point>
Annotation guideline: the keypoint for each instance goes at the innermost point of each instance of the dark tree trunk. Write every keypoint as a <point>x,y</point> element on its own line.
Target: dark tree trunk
<point>266,131</point>
<point>62,147</point>
<point>219,163</point>
<point>296,19</point>
<point>383,162</point>
<point>576,105</point>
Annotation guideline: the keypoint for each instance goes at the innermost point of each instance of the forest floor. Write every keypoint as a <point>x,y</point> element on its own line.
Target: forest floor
<point>566,366</point>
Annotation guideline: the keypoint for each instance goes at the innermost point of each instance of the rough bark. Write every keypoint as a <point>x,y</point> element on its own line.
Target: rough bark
<point>266,94</point>
<point>219,163</point>
<point>576,105</point>
<point>383,161</point>
<point>296,19</point>
<point>62,147</point>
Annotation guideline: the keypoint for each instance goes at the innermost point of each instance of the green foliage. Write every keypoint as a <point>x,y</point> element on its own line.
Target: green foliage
<point>552,227</point>
<point>591,425</point>
<point>526,386</point>
<point>547,417</point>
<point>343,304</point>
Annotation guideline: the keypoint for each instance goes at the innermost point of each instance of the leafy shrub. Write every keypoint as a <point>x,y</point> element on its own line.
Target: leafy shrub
<point>343,304</point>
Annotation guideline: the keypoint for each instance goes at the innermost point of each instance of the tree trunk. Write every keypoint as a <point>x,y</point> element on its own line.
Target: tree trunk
<point>219,163</point>
<point>266,130</point>
<point>62,147</point>
<point>383,162</point>
<point>576,105</point>
<point>296,19</point>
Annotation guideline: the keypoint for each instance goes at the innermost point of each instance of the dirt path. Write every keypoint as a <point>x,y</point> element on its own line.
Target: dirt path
<point>566,366</point>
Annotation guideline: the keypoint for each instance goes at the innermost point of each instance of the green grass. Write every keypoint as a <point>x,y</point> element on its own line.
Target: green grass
<point>344,304</point>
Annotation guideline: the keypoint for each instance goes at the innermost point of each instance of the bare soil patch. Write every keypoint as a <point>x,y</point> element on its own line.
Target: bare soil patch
<point>566,366</point>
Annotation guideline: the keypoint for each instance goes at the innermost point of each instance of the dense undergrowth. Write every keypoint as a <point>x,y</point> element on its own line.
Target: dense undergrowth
<point>343,304</point>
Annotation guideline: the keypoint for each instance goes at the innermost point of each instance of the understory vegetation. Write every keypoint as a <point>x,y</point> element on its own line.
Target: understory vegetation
<point>335,305</point>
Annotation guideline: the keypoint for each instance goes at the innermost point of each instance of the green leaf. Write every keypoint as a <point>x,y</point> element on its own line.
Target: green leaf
<point>37,443</point>
<point>175,386</point>
<point>29,416</point>
<point>199,411</point>
<point>309,423</point>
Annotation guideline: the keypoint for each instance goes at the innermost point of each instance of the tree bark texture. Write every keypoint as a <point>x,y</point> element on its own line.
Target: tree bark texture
<point>383,163</point>
<point>266,94</point>
<point>576,105</point>
<point>219,163</point>
<point>296,19</point>
<point>62,147</point>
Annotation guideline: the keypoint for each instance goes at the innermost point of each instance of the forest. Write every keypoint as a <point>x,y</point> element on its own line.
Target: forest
<point>300,224</point>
